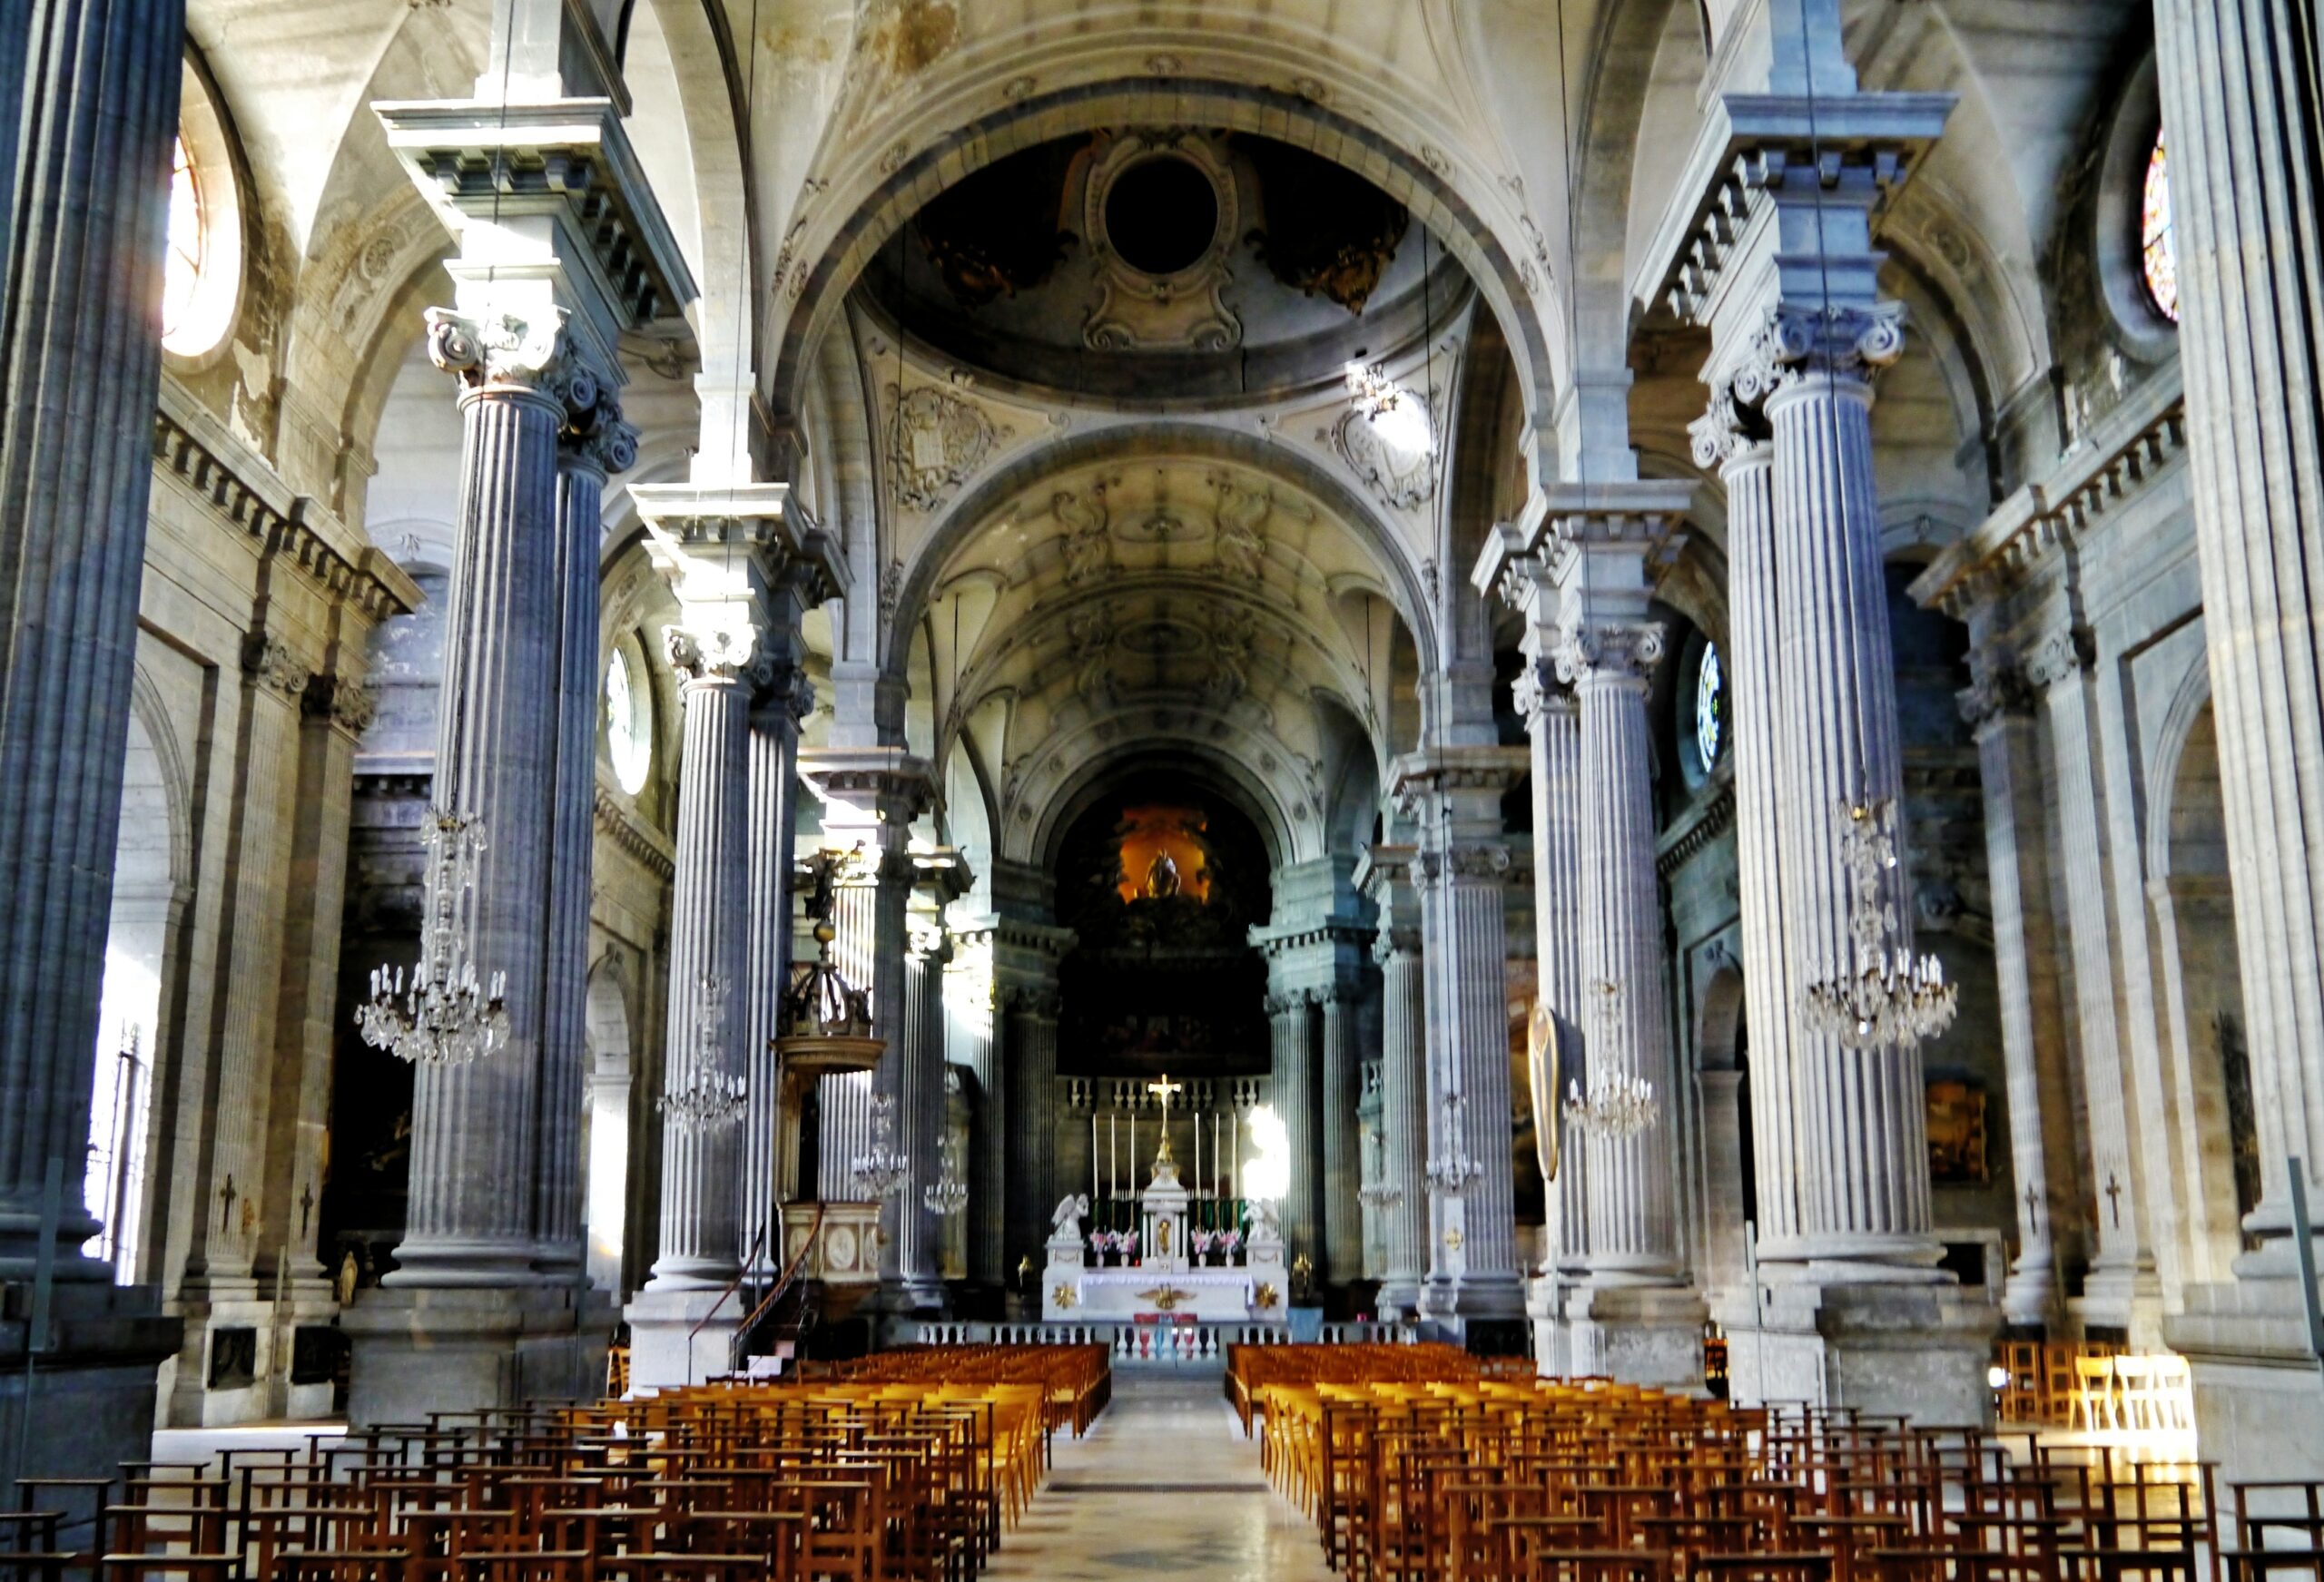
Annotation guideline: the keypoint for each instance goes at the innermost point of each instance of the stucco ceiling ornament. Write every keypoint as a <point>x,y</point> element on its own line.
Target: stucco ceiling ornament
<point>1087,544</point>
<point>1397,474</point>
<point>1241,513</point>
<point>1232,630</point>
<point>1183,309</point>
<point>936,441</point>
<point>1090,631</point>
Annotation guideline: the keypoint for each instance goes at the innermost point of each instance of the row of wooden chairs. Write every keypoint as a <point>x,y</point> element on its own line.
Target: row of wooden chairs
<point>1472,1477</point>
<point>897,1479</point>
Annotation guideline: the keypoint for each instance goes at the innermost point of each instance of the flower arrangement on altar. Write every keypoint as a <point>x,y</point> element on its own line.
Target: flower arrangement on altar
<point>1200,1239</point>
<point>1128,1242</point>
<point>1228,1243</point>
<point>1101,1244</point>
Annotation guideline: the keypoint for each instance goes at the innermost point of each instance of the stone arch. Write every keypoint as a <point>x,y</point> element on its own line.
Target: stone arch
<point>815,288</point>
<point>2191,899</point>
<point>971,512</point>
<point>1099,771</point>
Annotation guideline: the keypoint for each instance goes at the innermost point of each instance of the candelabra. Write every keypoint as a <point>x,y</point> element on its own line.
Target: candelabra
<point>451,1017</point>
<point>880,1172</point>
<point>948,1195</point>
<point>705,1095</point>
<point>1379,1195</point>
<point>1615,1107</point>
<point>1452,1171</point>
<point>1893,999</point>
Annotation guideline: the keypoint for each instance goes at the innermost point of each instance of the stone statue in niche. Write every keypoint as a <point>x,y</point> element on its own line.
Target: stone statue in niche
<point>1161,878</point>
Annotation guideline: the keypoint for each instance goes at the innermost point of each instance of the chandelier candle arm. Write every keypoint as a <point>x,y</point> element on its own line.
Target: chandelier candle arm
<point>452,1015</point>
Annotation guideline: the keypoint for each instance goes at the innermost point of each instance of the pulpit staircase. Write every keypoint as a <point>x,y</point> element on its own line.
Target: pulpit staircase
<point>783,1314</point>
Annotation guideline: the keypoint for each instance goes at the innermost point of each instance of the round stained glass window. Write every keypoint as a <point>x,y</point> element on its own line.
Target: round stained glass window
<point>1710,707</point>
<point>2158,252</point>
<point>629,725</point>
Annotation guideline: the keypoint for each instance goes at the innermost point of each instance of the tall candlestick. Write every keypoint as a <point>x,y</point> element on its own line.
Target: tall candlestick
<point>1113,1168</point>
<point>1197,1126</point>
<point>1094,1196</point>
<point>1133,1150</point>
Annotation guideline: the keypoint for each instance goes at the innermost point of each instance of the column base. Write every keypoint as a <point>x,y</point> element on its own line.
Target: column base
<point>2029,1297</point>
<point>230,1368</point>
<point>1638,1334</point>
<point>423,1349</point>
<point>1917,1350</point>
<point>2127,1300</point>
<point>666,1351</point>
<point>90,1400</point>
<point>2258,1393</point>
<point>1398,1298</point>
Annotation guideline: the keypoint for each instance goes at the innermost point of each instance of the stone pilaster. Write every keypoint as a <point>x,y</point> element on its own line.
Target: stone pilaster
<point>2059,670</point>
<point>769,1178</point>
<point>1030,1007</point>
<point>1452,794</point>
<point>1385,876</point>
<point>914,1284</point>
<point>2240,109</point>
<point>1999,710</point>
<point>1553,731</point>
<point>975,1048</point>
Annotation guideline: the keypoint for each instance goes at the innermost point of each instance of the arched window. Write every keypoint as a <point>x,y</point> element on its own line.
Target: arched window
<point>201,271</point>
<point>629,724</point>
<point>1710,707</point>
<point>2158,255</point>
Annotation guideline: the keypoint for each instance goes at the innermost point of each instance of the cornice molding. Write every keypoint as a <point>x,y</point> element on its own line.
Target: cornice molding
<point>291,530</point>
<point>634,838</point>
<point>1698,827</point>
<point>2137,443</point>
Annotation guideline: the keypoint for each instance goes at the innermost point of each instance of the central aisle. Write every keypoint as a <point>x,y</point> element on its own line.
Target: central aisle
<point>1164,1485</point>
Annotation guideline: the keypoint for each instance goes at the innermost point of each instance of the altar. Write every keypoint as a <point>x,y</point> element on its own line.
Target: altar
<point>1164,1286</point>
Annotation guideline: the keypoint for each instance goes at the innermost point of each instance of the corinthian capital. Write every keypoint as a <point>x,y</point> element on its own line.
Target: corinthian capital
<point>595,437</point>
<point>1997,688</point>
<point>716,654</point>
<point>1538,690</point>
<point>1847,342</point>
<point>1613,652</point>
<point>2063,657</point>
<point>272,662</point>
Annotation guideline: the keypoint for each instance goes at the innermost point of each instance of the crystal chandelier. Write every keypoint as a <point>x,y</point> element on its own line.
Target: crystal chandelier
<point>705,1095</point>
<point>1894,1000</point>
<point>451,1017</point>
<point>1616,1108</point>
<point>880,1172</point>
<point>1379,1195</point>
<point>1452,1171</point>
<point>1376,395</point>
<point>948,1195</point>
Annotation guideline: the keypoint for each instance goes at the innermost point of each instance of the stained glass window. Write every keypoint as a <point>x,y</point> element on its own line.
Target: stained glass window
<point>1710,707</point>
<point>189,244</point>
<point>629,733</point>
<point>2158,255</point>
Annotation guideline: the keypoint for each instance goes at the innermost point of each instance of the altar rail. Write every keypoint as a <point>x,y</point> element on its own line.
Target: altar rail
<point>1158,1346</point>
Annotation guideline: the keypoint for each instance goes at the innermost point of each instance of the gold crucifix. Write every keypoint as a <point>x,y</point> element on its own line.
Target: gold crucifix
<point>1163,1090</point>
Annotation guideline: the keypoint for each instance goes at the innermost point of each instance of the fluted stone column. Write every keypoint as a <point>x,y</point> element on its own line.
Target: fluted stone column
<point>975,1045</point>
<point>1735,440</point>
<point>1861,1150</point>
<point>920,1085</point>
<point>2240,109</point>
<point>709,957</point>
<point>1342,1086</point>
<point>2059,669</point>
<point>1291,1017</point>
<point>1404,1076</point>
<point>1999,708</point>
<point>594,443</point>
<point>1633,1229</point>
<point>1554,730</point>
<point>774,805</point>
<point>1454,794</point>
<point>475,1142</point>
<point>741,559</point>
<point>1031,1051</point>
<point>88,188</point>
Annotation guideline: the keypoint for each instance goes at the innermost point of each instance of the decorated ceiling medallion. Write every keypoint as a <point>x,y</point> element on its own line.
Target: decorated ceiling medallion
<point>1162,211</point>
<point>1393,458</point>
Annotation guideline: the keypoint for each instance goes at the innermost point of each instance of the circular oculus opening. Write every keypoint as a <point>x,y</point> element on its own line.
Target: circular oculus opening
<point>1161,215</point>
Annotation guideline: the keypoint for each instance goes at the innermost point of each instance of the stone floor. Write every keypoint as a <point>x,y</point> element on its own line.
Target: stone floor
<point>1164,1485</point>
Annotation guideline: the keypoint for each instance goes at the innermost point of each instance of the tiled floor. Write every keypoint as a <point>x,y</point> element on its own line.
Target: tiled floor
<point>1165,1485</point>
